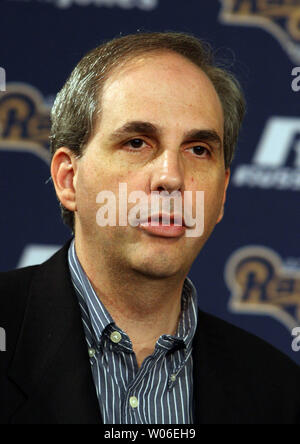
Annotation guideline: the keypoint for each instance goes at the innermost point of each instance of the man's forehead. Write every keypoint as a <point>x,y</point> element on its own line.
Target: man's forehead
<point>148,84</point>
<point>161,60</point>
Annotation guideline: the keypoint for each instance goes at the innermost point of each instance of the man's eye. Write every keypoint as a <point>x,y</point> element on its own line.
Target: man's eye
<point>200,150</point>
<point>135,143</point>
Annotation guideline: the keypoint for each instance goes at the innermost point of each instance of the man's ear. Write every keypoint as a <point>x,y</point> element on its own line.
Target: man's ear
<point>227,177</point>
<point>63,172</point>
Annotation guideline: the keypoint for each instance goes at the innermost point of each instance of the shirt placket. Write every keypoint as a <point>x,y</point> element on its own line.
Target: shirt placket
<point>132,406</point>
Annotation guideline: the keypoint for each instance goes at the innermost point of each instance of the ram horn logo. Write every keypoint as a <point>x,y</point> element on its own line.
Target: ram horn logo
<point>24,120</point>
<point>261,285</point>
<point>279,17</point>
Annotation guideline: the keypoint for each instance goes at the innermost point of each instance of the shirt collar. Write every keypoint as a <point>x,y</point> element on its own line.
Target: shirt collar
<point>95,314</point>
<point>99,318</point>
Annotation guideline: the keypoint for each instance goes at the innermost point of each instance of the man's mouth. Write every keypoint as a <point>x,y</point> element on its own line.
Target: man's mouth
<point>164,219</point>
<point>164,225</point>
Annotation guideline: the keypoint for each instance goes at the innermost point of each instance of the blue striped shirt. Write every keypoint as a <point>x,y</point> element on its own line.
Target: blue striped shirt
<point>161,390</point>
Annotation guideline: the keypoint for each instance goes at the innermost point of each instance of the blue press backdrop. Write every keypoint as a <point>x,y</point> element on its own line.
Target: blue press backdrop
<point>249,271</point>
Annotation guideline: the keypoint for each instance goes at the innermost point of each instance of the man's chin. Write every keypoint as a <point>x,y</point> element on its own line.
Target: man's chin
<point>156,274</point>
<point>158,267</point>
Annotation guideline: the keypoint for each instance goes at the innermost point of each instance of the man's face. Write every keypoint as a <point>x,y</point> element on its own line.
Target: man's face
<point>173,102</point>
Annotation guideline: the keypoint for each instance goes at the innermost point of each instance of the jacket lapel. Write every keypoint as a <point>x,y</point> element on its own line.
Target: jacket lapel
<point>51,364</point>
<point>215,377</point>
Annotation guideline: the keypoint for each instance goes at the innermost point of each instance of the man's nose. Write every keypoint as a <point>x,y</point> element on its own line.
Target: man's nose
<point>168,172</point>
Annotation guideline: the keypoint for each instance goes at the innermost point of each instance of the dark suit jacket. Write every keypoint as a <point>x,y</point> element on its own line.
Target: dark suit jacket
<point>45,374</point>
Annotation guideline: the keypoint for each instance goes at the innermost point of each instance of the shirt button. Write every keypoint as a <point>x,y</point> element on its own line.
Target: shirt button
<point>115,337</point>
<point>134,402</point>
<point>173,378</point>
<point>92,352</point>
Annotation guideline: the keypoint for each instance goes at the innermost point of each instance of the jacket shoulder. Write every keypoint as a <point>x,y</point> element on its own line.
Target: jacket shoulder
<point>12,279</point>
<point>14,292</point>
<point>14,286</point>
<point>252,356</point>
<point>258,381</point>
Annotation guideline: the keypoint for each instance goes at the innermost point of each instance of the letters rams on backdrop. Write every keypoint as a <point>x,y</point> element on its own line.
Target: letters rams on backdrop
<point>24,121</point>
<point>25,129</point>
<point>280,17</point>
<point>261,284</point>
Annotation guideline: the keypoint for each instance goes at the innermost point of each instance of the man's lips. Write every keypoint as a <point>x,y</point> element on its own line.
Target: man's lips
<point>164,220</point>
<point>163,225</point>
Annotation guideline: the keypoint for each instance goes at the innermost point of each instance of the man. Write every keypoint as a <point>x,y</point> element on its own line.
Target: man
<point>108,329</point>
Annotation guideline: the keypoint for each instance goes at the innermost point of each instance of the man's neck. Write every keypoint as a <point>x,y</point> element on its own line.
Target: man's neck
<point>143,307</point>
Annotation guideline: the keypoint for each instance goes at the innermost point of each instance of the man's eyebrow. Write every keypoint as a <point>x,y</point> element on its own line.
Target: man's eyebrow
<point>147,128</point>
<point>205,135</point>
<point>136,127</point>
